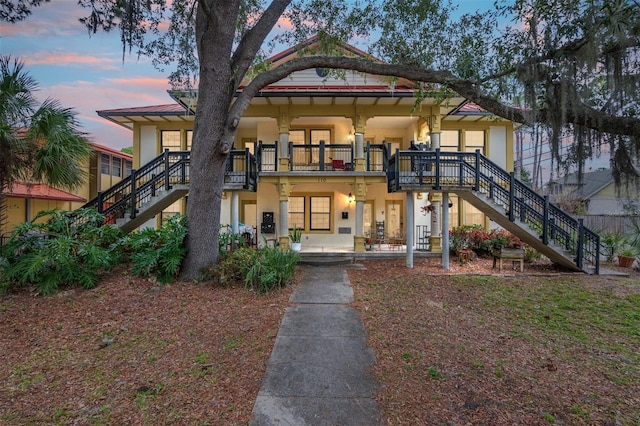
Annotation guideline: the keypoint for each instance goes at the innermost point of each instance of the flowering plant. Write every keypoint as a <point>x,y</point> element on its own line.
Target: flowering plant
<point>429,208</point>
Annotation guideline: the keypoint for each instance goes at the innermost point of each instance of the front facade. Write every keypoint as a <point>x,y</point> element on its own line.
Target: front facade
<point>321,144</point>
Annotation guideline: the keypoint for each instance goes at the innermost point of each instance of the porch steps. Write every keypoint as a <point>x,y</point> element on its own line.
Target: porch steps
<point>151,208</point>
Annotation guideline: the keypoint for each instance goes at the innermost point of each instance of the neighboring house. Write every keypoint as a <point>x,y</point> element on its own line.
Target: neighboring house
<point>24,200</point>
<point>595,198</point>
<point>320,143</point>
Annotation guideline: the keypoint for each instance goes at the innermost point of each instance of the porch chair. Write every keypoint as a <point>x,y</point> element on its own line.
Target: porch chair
<point>337,164</point>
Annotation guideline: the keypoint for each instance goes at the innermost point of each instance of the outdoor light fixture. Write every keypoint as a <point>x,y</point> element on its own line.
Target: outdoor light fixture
<point>350,198</point>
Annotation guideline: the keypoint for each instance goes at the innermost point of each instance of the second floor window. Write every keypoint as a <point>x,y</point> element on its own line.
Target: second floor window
<point>116,167</point>
<point>105,164</point>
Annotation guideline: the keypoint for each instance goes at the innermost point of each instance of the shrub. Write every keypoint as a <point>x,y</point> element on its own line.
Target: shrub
<point>274,269</point>
<point>157,251</point>
<point>235,265</point>
<point>260,270</point>
<point>59,248</point>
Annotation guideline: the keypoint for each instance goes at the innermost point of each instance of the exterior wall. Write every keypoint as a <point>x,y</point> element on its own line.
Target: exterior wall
<point>498,146</point>
<point>149,144</point>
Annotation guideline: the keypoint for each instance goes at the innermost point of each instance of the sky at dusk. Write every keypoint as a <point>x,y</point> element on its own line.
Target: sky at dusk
<point>88,73</point>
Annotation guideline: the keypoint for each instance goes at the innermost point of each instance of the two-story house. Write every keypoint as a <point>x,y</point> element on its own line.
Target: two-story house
<point>321,143</point>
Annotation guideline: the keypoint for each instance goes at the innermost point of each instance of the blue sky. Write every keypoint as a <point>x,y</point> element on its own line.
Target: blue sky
<point>87,73</point>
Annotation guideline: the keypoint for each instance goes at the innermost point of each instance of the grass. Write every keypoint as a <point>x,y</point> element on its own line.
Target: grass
<point>554,350</point>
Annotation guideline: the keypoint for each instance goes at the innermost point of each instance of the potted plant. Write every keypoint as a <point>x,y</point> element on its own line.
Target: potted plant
<point>296,236</point>
<point>626,257</point>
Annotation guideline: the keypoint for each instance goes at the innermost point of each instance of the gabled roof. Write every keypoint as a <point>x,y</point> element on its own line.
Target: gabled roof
<point>308,88</point>
<point>39,191</point>
<point>590,184</point>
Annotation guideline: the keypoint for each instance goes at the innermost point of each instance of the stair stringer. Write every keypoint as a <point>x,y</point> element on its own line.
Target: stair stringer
<point>523,231</point>
<point>153,207</point>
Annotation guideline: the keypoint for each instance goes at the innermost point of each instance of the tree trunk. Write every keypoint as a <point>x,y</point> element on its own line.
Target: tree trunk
<point>212,140</point>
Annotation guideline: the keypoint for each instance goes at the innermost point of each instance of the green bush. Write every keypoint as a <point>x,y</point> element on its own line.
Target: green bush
<point>274,269</point>
<point>235,265</point>
<point>260,270</point>
<point>157,252</point>
<point>59,248</point>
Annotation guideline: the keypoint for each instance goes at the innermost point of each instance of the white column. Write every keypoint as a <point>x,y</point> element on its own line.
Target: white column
<point>283,145</point>
<point>359,145</point>
<point>445,230</point>
<point>435,141</point>
<point>284,218</point>
<point>235,201</point>
<point>409,232</point>
<point>359,231</point>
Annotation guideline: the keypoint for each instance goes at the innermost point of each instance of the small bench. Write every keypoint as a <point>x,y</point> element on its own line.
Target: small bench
<point>514,255</point>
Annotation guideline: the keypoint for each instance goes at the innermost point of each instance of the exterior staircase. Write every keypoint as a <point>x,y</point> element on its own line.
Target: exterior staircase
<point>503,198</point>
<point>473,177</point>
<point>155,186</point>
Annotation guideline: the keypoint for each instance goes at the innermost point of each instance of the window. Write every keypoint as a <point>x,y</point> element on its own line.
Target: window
<point>105,164</point>
<point>320,135</point>
<point>170,139</point>
<point>189,139</point>
<point>297,137</point>
<point>472,216</point>
<point>296,212</point>
<point>320,213</point>
<point>116,167</point>
<point>128,165</point>
<point>450,140</point>
<point>474,139</point>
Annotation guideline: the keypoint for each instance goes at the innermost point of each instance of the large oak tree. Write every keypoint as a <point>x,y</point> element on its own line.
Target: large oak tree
<point>571,66</point>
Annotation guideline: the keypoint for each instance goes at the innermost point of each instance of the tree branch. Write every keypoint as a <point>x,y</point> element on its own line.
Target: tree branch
<point>254,38</point>
<point>576,114</point>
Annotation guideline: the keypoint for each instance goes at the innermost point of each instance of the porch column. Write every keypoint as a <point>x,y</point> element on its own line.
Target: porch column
<point>445,230</point>
<point>435,239</point>
<point>435,127</point>
<point>359,151</point>
<point>359,124</point>
<point>235,197</point>
<point>360,191</point>
<point>409,232</point>
<point>284,122</point>
<point>284,189</point>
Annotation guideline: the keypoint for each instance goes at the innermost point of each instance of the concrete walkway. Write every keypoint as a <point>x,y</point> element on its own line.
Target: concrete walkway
<point>319,372</point>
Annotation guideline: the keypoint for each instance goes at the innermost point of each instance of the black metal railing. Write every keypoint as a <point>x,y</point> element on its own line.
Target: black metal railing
<point>437,170</point>
<point>162,173</point>
<point>267,156</point>
<point>320,157</point>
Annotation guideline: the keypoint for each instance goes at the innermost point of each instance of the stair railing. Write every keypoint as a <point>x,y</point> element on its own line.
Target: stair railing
<point>473,171</point>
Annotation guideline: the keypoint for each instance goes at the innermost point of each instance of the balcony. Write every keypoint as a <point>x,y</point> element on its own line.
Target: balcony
<point>321,157</point>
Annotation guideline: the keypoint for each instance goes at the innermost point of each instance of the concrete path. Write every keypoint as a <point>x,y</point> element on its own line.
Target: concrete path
<point>319,372</point>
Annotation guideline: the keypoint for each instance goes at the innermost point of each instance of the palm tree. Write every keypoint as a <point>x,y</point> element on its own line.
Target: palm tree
<point>39,141</point>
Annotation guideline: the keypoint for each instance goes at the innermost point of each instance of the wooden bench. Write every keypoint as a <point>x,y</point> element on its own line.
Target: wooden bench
<point>515,255</point>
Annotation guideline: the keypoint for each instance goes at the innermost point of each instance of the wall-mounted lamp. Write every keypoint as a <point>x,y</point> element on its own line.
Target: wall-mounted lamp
<point>350,136</point>
<point>350,198</point>
<point>419,195</point>
<point>224,195</point>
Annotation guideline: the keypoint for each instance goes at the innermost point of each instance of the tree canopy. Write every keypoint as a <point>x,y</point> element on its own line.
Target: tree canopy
<point>570,66</point>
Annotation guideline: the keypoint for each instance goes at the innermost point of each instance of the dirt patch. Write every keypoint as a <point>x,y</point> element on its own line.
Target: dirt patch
<point>135,352</point>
